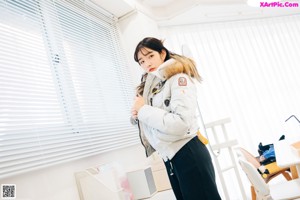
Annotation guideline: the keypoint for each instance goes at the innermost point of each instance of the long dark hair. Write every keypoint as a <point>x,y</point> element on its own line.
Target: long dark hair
<point>154,44</point>
<point>151,43</point>
<point>187,64</point>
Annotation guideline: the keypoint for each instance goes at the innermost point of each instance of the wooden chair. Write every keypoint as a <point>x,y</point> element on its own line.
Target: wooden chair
<point>241,152</point>
<point>282,191</point>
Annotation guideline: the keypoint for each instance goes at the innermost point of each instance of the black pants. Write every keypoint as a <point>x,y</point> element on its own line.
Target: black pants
<point>191,173</point>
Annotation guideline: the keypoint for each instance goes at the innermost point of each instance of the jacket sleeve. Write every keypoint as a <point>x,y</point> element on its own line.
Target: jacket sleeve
<point>183,107</point>
<point>133,121</point>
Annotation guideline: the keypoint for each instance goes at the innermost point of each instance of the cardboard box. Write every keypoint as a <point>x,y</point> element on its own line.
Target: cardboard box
<point>160,175</point>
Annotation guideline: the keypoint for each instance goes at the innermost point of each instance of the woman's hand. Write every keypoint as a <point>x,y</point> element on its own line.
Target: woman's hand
<point>138,103</point>
<point>134,114</point>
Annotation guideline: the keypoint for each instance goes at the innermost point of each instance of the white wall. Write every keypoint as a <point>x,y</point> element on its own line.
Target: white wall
<point>58,182</point>
<point>133,29</point>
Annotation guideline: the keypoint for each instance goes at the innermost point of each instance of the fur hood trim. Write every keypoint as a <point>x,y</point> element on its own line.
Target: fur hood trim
<point>169,68</point>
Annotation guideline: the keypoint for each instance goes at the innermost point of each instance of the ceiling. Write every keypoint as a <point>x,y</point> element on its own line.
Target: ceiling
<point>182,12</point>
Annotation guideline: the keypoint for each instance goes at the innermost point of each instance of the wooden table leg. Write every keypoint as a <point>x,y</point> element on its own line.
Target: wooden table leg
<point>294,172</point>
<point>253,193</point>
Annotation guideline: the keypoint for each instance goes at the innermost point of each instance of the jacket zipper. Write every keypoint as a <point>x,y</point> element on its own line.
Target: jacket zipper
<point>171,168</point>
<point>140,135</point>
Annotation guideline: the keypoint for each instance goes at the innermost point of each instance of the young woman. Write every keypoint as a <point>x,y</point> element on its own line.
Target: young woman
<point>165,110</point>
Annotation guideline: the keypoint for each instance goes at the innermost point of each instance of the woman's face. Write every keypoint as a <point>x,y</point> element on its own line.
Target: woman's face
<point>150,60</point>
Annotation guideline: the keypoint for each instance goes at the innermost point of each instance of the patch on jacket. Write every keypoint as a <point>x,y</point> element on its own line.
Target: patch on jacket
<point>182,81</point>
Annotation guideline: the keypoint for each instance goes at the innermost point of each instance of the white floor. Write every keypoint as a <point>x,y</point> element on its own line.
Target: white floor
<point>163,195</point>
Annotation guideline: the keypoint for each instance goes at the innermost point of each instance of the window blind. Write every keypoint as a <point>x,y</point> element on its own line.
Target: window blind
<point>65,93</point>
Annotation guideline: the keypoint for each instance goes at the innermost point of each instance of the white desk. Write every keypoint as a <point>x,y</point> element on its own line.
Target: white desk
<point>284,155</point>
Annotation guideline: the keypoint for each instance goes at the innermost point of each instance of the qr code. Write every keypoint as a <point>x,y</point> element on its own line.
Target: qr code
<point>8,191</point>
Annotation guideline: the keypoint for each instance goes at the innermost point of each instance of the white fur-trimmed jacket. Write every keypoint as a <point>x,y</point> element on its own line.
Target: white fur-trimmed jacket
<point>168,119</point>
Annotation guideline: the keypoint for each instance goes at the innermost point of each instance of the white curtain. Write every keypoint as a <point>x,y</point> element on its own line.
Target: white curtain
<point>250,73</point>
